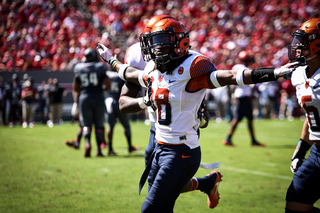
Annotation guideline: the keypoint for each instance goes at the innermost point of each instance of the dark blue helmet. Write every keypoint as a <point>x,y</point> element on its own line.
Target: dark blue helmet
<point>90,55</point>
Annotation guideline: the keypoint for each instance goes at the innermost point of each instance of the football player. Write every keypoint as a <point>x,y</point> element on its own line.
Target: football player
<point>244,106</point>
<point>112,108</point>
<point>127,101</point>
<point>88,88</point>
<point>304,189</point>
<point>129,92</point>
<point>75,143</point>
<point>176,86</point>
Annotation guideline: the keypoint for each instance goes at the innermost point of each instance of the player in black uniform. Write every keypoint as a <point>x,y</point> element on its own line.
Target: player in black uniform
<point>88,88</point>
<point>112,104</point>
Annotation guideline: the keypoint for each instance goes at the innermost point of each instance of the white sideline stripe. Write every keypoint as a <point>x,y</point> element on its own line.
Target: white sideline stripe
<point>256,172</point>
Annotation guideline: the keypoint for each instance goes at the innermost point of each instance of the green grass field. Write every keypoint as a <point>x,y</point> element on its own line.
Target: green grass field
<point>39,173</point>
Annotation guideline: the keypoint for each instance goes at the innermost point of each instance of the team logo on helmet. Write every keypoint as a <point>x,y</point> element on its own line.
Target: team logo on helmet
<point>180,71</point>
<point>318,25</point>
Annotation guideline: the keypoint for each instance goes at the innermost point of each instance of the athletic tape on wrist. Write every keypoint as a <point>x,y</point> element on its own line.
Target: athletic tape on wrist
<point>121,71</point>
<point>141,80</point>
<point>142,105</point>
<point>239,78</point>
<point>214,80</point>
<point>113,61</point>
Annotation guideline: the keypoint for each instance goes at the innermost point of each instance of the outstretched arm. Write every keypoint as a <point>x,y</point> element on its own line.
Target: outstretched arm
<point>244,76</point>
<point>124,71</point>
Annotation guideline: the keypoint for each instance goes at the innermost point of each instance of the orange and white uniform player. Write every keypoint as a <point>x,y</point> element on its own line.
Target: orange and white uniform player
<point>177,98</point>
<point>179,79</point>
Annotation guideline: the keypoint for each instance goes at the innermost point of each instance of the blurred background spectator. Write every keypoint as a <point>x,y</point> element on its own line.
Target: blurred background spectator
<point>55,94</point>
<point>28,99</point>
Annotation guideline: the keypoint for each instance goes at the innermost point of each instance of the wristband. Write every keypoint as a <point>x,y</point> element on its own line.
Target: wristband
<point>301,150</point>
<point>122,71</point>
<point>260,75</point>
<point>239,78</point>
<point>214,80</point>
<point>142,105</point>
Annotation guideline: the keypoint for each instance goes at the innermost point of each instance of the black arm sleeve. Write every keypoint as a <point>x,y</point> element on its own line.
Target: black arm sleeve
<point>260,75</point>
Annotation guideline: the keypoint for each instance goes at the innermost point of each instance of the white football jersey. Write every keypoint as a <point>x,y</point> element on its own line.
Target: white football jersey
<point>308,95</point>
<point>134,57</point>
<point>176,108</point>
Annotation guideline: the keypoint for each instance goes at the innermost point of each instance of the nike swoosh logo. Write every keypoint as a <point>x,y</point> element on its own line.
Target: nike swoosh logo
<point>184,156</point>
<point>171,81</point>
<point>266,75</point>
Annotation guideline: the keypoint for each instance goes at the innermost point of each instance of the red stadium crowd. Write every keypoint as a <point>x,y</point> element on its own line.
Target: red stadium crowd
<point>52,35</point>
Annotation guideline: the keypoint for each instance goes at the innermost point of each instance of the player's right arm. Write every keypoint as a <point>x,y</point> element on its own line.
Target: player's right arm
<point>128,103</point>
<point>302,148</point>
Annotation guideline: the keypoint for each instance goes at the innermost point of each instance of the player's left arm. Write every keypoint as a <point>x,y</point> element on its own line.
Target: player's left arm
<point>76,88</point>
<point>244,76</point>
<point>212,78</point>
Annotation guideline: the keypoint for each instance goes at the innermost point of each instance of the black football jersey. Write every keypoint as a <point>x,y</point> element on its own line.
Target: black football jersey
<point>116,85</point>
<point>91,76</point>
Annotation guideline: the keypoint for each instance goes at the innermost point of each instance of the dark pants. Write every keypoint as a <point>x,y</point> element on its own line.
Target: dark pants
<point>244,109</point>
<point>305,185</point>
<point>151,145</point>
<point>172,167</point>
<point>92,110</point>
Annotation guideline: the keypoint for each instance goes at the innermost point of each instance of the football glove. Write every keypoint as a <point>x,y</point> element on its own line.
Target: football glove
<point>285,70</point>
<point>299,154</point>
<point>204,118</point>
<point>104,52</point>
<point>295,164</point>
<point>146,100</point>
<point>74,109</point>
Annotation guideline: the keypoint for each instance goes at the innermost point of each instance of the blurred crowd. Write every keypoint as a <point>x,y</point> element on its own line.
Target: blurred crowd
<point>52,35</point>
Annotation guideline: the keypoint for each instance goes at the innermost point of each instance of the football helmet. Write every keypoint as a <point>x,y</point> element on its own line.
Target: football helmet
<point>168,33</point>
<point>305,45</point>
<point>145,33</point>
<point>90,55</point>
